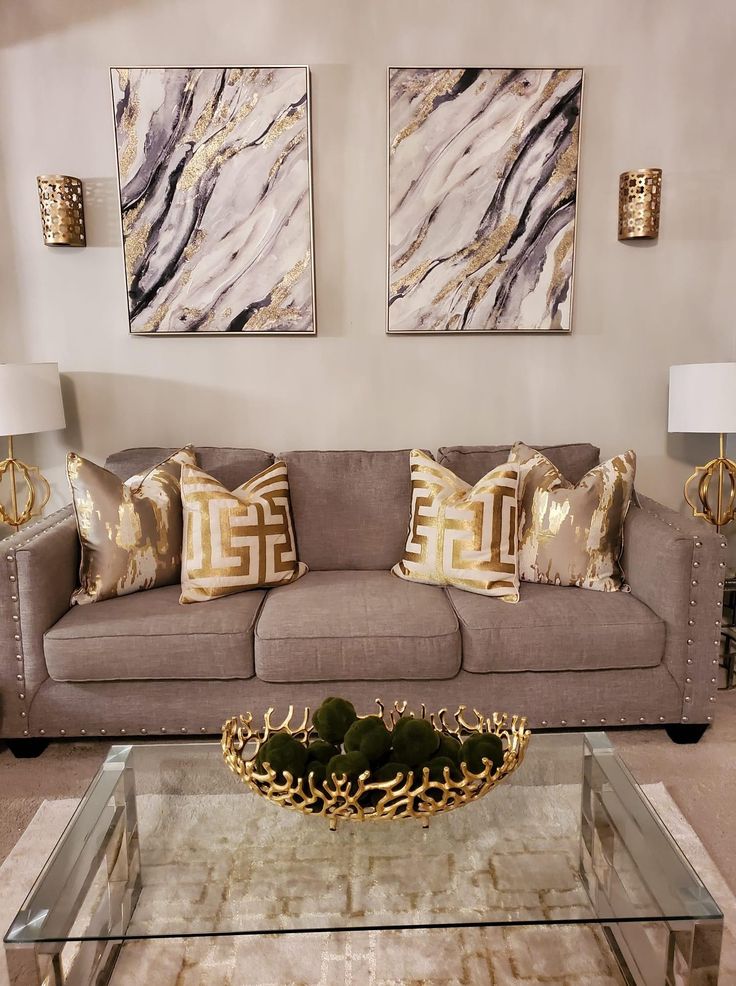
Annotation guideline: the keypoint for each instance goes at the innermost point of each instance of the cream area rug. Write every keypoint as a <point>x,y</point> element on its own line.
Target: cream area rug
<point>527,956</point>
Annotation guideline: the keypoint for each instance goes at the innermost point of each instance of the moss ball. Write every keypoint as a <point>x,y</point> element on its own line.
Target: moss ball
<point>437,766</point>
<point>401,724</point>
<point>321,751</point>
<point>350,765</point>
<point>475,748</point>
<point>449,747</point>
<point>318,769</point>
<point>272,743</point>
<point>416,742</point>
<point>286,755</point>
<point>333,719</point>
<point>368,736</point>
<point>390,771</point>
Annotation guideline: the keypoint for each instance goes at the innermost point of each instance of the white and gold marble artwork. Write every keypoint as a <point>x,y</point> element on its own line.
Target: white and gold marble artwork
<point>482,191</point>
<point>215,194</point>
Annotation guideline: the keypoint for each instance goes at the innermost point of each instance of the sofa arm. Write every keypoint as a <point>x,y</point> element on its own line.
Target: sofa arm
<point>676,566</point>
<point>39,571</point>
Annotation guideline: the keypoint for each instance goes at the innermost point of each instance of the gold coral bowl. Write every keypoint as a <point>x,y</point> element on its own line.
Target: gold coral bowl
<point>402,797</point>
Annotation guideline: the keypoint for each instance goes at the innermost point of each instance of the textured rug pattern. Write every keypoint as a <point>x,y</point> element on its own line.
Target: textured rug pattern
<point>226,876</point>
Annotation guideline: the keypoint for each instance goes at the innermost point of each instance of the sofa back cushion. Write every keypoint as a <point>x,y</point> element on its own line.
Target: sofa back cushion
<point>471,462</point>
<point>229,466</point>
<point>351,509</point>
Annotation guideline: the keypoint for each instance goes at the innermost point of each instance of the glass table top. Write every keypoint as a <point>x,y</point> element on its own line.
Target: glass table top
<point>168,842</point>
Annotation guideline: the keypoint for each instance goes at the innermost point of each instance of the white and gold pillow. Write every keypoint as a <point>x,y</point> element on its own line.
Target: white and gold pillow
<point>572,535</point>
<point>236,540</point>
<point>129,533</point>
<point>462,536</point>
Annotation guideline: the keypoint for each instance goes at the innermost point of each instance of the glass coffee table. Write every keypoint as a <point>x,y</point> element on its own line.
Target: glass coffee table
<point>167,847</point>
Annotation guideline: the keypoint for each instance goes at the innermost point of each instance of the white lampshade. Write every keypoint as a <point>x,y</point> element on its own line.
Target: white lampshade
<point>30,398</point>
<point>703,398</point>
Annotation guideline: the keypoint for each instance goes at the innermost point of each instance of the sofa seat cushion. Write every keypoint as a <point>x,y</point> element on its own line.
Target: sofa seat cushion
<point>556,628</point>
<point>149,635</point>
<point>344,626</point>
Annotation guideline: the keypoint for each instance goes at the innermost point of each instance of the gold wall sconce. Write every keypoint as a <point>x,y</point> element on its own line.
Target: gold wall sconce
<point>62,210</point>
<point>639,194</point>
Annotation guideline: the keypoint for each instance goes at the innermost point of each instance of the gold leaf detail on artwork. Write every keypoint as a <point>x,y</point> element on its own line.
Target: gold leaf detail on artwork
<point>127,125</point>
<point>207,153</point>
<point>411,279</point>
<point>479,253</point>
<point>443,84</point>
<point>277,310</point>
<point>559,276</point>
<point>285,122</point>
<point>157,318</point>
<point>195,243</point>
<point>293,143</point>
<point>135,246</point>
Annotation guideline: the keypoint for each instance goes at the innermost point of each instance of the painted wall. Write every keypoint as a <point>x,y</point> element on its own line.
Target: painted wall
<point>659,91</point>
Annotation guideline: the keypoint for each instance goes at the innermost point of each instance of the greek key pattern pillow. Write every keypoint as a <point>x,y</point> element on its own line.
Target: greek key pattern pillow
<point>572,535</point>
<point>462,536</point>
<point>130,533</point>
<point>236,540</point>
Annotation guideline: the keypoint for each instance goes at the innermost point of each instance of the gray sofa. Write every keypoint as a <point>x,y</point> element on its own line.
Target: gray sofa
<point>143,665</point>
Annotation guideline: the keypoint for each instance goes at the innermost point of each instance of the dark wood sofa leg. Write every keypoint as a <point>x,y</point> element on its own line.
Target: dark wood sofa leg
<point>685,734</point>
<point>27,749</point>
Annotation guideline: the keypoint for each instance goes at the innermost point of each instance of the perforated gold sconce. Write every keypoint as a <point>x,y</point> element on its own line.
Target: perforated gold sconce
<point>62,210</point>
<point>639,194</point>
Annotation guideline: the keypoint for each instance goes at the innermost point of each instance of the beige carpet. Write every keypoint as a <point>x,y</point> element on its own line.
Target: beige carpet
<point>566,956</point>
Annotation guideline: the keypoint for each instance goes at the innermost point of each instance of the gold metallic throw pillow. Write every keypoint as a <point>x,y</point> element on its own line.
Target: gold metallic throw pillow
<point>130,533</point>
<point>572,535</point>
<point>239,540</point>
<point>462,536</point>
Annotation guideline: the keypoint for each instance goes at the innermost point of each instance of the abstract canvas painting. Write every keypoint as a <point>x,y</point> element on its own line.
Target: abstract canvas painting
<point>215,194</point>
<point>482,194</point>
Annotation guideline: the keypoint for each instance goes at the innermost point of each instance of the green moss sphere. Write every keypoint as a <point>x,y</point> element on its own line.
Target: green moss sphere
<point>416,742</point>
<point>271,744</point>
<point>318,769</point>
<point>437,766</point>
<point>390,771</point>
<point>481,745</point>
<point>350,765</point>
<point>369,737</point>
<point>285,755</point>
<point>333,719</point>
<point>449,747</point>
<point>321,751</point>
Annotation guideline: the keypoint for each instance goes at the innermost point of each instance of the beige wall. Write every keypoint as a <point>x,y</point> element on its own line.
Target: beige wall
<point>660,89</point>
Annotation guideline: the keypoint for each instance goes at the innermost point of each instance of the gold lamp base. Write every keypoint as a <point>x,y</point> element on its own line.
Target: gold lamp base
<point>37,490</point>
<point>701,483</point>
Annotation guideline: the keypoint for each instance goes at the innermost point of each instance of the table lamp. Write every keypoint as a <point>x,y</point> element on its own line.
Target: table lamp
<point>703,399</point>
<point>30,401</point>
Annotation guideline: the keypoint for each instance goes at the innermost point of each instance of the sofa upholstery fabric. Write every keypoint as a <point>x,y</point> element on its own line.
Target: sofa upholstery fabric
<point>549,699</point>
<point>555,628</point>
<point>229,466</point>
<point>149,636</point>
<point>337,626</point>
<point>470,462</point>
<point>350,508</point>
